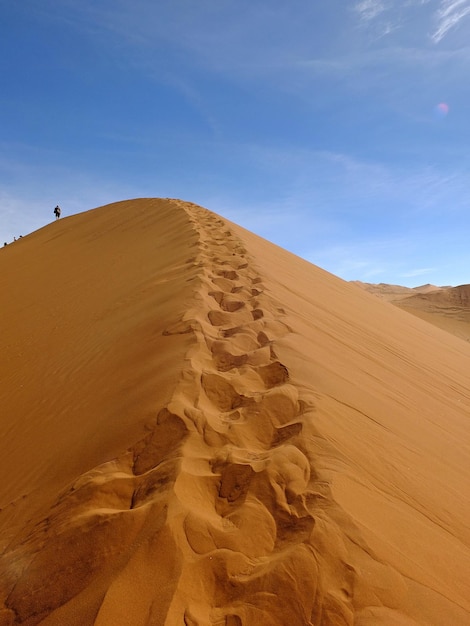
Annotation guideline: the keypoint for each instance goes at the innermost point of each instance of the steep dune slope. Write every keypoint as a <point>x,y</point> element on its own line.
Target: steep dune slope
<point>201,428</point>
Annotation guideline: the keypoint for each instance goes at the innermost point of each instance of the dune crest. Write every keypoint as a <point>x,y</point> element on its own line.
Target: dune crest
<point>283,474</point>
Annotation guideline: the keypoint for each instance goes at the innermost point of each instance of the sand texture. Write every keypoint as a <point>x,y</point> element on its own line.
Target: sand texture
<point>199,428</point>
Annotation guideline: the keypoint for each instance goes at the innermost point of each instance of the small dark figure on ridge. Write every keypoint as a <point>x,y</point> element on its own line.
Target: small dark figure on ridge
<point>57,212</point>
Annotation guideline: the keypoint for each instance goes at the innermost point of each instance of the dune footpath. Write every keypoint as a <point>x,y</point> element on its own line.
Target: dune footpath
<point>199,428</point>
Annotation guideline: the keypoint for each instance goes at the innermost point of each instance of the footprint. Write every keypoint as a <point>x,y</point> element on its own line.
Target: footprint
<point>225,302</point>
<point>221,393</point>
<point>226,361</point>
<point>274,374</point>
<point>277,407</point>
<point>286,432</point>
<point>233,417</point>
<point>222,318</point>
<point>167,435</point>
<point>224,284</point>
<point>230,332</point>
<point>259,357</point>
<point>235,481</point>
<point>230,274</point>
<point>242,338</point>
<point>263,339</point>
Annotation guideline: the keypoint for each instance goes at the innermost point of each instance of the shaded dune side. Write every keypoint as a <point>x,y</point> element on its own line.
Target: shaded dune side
<point>223,512</point>
<point>86,367</point>
<point>445,307</point>
<point>457,296</point>
<point>83,361</point>
<point>448,308</point>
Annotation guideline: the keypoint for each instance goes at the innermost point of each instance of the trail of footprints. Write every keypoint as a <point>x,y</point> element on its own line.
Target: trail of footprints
<point>243,325</point>
<point>250,416</point>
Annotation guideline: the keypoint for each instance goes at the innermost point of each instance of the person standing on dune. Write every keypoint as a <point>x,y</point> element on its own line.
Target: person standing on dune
<point>57,212</point>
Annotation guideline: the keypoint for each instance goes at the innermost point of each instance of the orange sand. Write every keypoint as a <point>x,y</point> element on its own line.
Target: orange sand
<point>200,428</point>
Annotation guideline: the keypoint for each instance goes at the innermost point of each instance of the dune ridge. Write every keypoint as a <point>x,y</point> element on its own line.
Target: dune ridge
<point>283,474</point>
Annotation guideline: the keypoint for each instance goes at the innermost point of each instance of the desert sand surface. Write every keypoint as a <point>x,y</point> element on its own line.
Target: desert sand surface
<point>199,428</point>
<point>445,307</point>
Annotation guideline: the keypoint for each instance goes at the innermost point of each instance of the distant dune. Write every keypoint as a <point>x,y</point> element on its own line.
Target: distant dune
<point>395,293</point>
<point>199,428</point>
<point>445,307</point>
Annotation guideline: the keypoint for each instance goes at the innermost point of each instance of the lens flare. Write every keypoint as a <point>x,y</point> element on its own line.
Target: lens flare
<point>441,110</point>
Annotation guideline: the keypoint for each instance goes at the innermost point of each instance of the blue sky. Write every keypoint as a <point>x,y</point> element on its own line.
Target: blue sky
<point>338,130</point>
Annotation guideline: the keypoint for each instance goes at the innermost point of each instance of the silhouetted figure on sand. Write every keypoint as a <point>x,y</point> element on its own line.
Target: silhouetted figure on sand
<point>57,212</point>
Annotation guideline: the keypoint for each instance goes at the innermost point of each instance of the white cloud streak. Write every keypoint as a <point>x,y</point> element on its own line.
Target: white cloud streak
<point>386,17</point>
<point>369,9</point>
<point>418,272</point>
<point>449,15</point>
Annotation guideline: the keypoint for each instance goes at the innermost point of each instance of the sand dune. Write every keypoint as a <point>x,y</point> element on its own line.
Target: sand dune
<point>395,293</point>
<point>445,307</point>
<point>200,428</point>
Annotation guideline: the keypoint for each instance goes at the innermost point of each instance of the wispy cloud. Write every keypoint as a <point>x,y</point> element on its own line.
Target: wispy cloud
<point>383,17</point>
<point>369,9</point>
<point>418,272</point>
<point>448,16</point>
<point>367,259</point>
<point>394,260</point>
